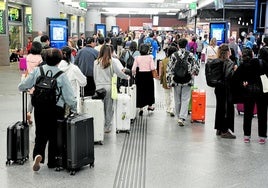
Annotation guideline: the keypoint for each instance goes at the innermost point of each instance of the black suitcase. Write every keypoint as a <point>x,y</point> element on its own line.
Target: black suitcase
<point>75,143</point>
<point>18,137</point>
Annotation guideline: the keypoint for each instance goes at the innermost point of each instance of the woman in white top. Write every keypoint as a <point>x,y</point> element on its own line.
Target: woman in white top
<point>73,73</point>
<point>211,49</point>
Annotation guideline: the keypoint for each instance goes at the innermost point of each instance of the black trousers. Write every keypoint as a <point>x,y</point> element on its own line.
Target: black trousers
<point>90,87</point>
<point>224,117</point>
<point>46,131</point>
<point>261,112</point>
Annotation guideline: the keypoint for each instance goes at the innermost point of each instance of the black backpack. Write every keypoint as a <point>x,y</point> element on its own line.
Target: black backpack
<point>214,72</point>
<point>130,60</point>
<point>45,92</point>
<point>182,74</point>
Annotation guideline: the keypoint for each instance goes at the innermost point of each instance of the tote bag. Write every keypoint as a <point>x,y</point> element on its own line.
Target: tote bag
<point>114,85</point>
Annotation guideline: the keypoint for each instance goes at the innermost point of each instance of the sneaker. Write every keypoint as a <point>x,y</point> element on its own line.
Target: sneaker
<point>262,141</point>
<point>246,139</point>
<point>228,135</point>
<point>181,122</point>
<point>37,160</point>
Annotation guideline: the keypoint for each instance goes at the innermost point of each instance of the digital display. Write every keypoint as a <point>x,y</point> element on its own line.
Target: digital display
<point>115,30</point>
<point>14,14</point>
<point>101,28</point>
<point>58,32</point>
<point>218,31</point>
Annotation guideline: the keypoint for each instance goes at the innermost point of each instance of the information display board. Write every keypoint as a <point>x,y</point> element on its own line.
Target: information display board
<point>219,31</point>
<point>58,32</point>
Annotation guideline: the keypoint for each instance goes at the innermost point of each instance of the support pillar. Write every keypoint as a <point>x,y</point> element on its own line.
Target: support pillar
<point>92,17</point>
<point>40,11</point>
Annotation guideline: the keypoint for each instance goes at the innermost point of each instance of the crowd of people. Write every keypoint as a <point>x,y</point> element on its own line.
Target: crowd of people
<point>90,62</point>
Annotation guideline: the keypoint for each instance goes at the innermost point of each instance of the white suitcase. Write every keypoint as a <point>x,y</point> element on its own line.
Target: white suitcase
<point>132,92</point>
<point>95,108</point>
<point>122,113</point>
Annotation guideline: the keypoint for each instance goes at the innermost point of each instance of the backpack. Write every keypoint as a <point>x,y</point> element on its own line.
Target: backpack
<point>45,93</point>
<point>214,72</point>
<point>182,74</point>
<point>122,58</point>
<point>130,60</point>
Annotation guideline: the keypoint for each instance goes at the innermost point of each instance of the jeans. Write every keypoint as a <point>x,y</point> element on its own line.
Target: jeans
<point>182,94</point>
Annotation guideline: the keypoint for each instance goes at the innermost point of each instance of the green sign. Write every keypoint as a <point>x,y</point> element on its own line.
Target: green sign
<point>83,4</point>
<point>192,6</point>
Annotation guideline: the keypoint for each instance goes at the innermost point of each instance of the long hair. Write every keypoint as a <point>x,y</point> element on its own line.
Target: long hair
<point>66,54</point>
<point>105,56</point>
<point>223,51</point>
<point>213,42</point>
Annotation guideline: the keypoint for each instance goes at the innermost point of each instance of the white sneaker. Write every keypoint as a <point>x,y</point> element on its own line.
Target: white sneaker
<point>37,160</point>
<point>181,122</point>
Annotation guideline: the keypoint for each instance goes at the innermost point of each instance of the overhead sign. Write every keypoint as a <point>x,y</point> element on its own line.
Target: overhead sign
<point>192,6</point>
<point>83,4</point>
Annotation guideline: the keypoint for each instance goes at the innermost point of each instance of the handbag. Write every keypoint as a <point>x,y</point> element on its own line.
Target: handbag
<point>155,74</point>
<point>264,81</point>
<point>99,94</point>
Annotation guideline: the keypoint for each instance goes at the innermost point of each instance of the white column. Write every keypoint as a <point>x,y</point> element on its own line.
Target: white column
<point>41,10</point>
<point>92,17</point>
<point>110,21</point>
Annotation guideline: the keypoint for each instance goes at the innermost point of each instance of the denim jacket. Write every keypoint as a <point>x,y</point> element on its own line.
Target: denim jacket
<point>67,96</point>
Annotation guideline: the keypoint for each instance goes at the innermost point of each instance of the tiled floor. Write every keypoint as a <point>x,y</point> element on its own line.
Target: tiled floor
<point>161,155</point>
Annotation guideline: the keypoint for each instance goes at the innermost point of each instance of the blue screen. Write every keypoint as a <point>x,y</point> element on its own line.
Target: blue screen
<point>58,33</point>
<point>218,31</point>
<point>101,28</point>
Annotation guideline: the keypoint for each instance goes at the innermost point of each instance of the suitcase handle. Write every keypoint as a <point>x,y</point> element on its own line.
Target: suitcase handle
<point>24,108</point>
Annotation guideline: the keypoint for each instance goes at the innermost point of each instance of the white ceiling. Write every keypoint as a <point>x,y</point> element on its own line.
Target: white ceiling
<point>151,7</point>
<point>154,7</point>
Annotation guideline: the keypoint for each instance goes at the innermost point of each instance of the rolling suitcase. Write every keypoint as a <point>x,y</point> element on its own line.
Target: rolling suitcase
<point>198,106</point>
<point>18,137</point>
<point>122,113</point>
<point>240,108</point>
<point>132,92</point>
<point>22,63</point>
<point>95,108</point>
<point>79,142</point>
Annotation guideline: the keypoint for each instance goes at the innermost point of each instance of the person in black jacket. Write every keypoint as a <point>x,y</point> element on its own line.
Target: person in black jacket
<point>224,116</point>
<point>250,71</point>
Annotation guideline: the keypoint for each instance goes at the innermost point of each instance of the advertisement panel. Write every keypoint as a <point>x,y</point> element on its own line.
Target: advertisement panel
<point>219,31</point>
<point>58,32</point>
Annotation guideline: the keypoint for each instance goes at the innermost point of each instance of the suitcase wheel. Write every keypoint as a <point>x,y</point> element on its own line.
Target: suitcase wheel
<point>203,121</point>
<point>72,172</point>
<point>91,165</point>
<point>57,169</point>
<point>8,162</point>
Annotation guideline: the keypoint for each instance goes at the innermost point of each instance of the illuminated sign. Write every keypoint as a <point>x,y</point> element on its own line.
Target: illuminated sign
<point>14,14</point>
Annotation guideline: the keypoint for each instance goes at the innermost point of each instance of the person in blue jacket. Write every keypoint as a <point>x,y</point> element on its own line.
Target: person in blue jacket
<point>151,41</point>
<point>46,116</point>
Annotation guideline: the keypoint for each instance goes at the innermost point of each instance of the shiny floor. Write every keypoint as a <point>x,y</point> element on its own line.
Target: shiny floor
<point>156,154</point>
